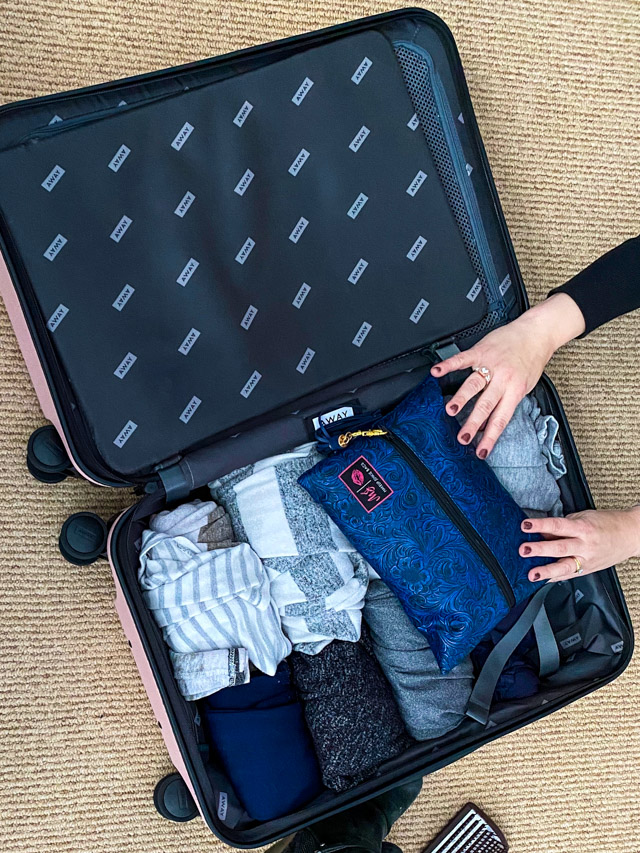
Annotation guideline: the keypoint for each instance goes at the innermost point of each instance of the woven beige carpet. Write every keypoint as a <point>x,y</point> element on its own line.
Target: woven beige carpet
<point>556,87</point>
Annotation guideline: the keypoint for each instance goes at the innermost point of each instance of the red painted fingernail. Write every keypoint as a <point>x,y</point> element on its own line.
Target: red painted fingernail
<point>483,453</point>
<point>536,576</point>
<point>526,550</point>
<point>436,369</point>
<point>453,409</point>
<point>527,525</point>
<point>465,438</point>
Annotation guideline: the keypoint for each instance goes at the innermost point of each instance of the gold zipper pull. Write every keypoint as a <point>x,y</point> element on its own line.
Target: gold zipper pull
<point>346,437</point>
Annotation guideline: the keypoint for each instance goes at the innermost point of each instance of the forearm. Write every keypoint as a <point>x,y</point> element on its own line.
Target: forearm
<point>634,512</point>
<point>607,288</point>
<point>552,323</point>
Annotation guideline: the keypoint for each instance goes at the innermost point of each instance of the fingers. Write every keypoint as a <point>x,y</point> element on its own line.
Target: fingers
<point>558,548</point>
<point>498,420</point>
<point>483,408</point>
<point>565,528</point>
<point>561,570</point>
<point>457,362</point>
<point>471,386</point>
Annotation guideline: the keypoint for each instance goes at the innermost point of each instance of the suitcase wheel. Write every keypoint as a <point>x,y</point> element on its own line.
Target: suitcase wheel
<point>47,458</point>
<point>173,799</point>
<point>83,538</point>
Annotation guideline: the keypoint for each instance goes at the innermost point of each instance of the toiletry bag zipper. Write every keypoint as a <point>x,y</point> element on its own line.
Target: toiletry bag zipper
<point>444,501</point>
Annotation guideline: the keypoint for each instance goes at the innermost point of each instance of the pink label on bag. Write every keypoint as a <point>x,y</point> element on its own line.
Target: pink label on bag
<point>365,484</point>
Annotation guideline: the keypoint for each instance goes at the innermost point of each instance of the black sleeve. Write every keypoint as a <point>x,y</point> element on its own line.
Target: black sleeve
<point>608,287</point>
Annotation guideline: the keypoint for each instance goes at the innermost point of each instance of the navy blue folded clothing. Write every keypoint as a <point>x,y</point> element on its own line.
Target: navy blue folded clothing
<point>258,730</point>
<point>520,677</point>
<point>350,710</point>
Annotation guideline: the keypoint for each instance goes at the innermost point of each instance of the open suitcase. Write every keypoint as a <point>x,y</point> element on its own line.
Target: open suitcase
<point>201,261</point>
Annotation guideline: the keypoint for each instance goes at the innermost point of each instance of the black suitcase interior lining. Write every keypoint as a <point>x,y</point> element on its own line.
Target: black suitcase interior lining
<point>414,70</point>
<point>288,235</point>
<point>156,368</point>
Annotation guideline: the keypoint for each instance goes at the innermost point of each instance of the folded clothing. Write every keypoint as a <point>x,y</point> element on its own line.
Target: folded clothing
<point>200,673</point>
<point>430,703</point>
<point>318,580</point>
<point>349,708</point>
<point>527,458</point>
<point>207,597</point>
<point>433,521</point>
<point>258,731</point>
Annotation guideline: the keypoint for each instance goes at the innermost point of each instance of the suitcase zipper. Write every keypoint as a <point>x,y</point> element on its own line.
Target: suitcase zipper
<point>446,503</point>
<point>458,160</point>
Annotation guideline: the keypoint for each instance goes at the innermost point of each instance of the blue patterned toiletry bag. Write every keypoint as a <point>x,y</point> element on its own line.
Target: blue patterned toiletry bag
<point>433,521</point>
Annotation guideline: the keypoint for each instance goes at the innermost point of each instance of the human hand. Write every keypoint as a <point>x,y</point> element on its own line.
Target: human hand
<point>516,355</point>
<point>598,538</point>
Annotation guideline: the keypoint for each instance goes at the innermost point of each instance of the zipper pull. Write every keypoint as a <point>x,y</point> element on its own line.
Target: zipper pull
<point>346,437</point>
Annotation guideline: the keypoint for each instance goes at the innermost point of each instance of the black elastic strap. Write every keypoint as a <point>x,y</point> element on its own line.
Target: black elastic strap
<point>479,705</point>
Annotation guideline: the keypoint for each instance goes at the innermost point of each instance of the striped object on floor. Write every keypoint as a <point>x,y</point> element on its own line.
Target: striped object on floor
<point>470,831</point>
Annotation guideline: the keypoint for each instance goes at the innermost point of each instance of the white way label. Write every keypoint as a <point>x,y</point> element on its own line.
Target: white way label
<point>417,247</point>
<point>189,341</point>
<point>243,112</point>
<point>57,317</point>
<point>188,271</point>
<point>249,316</point>
<point>475,291</point>
<point>299,162</point>
<point>55,247</point>
<point>571,641</point>
<point>125,434</point>
<point>416,183</point>
<point>123,297</point>
<point>243,183</point>
<point>361,70</point>
<point>419,310</point>
<point>251,383</point>
<point>505,284</point>
<point>125,365</point>
<point>305,361</point>
<point>363,331</point>
<point>52,178</point>
<point>333,416</point>
<point>302,92</point>
<point>357,271</point>
<point>359,138</point>
<point>190,409</point>
<point>298,231</point>
<point>119,157</point>
<point>357,205</point>
<point>222,805</point>
<point>183,134</point>
<point>301,295</point>
<point>187,200</point>
<point>245,251</point>
<point>121,229</point>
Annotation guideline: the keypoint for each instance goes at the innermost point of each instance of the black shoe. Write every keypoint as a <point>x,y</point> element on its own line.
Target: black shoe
<point>361,829</point>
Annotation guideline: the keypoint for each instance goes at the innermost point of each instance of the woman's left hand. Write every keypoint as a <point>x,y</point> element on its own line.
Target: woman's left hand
<point>598,538</point>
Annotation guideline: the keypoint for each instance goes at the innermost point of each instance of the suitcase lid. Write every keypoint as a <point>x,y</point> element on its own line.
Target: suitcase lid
<point>222,249</point>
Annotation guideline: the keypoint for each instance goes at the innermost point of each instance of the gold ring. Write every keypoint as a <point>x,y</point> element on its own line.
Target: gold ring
<point>484,372</point>
<point>578,570</point>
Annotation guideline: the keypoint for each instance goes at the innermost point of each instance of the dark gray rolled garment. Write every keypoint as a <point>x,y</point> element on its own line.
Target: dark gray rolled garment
<point>350,711</point>
<point>430,703</point>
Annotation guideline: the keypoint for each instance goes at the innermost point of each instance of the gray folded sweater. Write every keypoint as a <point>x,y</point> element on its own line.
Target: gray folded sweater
<point>430,703</point>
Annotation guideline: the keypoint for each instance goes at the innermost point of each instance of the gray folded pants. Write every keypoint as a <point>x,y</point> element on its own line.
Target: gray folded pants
<point>430,703</point>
